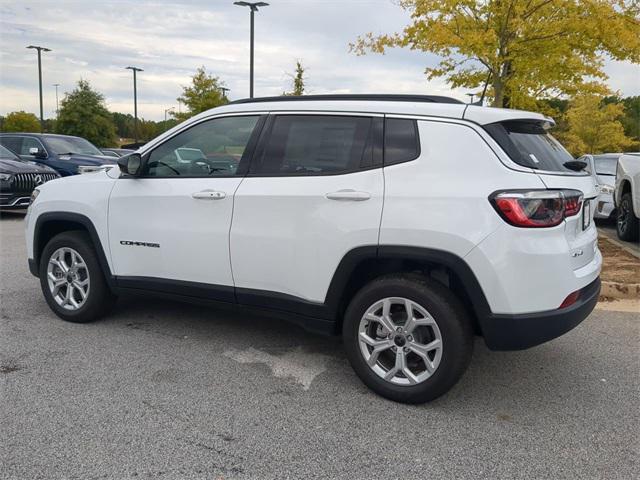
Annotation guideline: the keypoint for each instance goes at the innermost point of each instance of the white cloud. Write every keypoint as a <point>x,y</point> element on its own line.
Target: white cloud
<point>169,40</point>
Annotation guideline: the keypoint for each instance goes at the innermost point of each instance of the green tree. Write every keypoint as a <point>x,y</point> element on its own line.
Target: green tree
<point>83,113</point>
<point>298,80</point>
<point>21,122</point>
<point>593,126</point>
<point>203,93</point>
<point>523,50</point>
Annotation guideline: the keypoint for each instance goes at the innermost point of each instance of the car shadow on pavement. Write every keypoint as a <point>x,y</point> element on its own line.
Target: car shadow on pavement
<point>530,380</point>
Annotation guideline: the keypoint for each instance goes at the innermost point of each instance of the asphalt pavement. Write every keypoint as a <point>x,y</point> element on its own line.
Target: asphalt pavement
<point>165,390</point>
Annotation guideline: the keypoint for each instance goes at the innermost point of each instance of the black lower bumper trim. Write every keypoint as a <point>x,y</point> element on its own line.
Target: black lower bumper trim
<point>517,332</point>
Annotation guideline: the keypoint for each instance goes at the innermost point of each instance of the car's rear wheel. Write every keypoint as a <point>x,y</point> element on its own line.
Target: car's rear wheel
<point>627,224</point>
<point>408,338</point>
<point>71,279</point>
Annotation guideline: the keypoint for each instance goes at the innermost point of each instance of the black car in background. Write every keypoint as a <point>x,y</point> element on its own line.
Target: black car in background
<point>63,153</point>
<point>18,178</point>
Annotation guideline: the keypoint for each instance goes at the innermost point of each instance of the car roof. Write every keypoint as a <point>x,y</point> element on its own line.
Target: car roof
<point>424,105</point>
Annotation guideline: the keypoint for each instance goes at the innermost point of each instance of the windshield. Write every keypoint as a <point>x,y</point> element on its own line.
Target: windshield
<point>62,145</point>
<point>6,153</point>
<point>605,165</point>
<point>528,144</point>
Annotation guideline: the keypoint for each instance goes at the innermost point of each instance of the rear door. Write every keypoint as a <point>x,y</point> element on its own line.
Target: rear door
<point>313,193</point>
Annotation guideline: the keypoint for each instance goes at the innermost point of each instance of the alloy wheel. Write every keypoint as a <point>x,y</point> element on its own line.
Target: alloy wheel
<point>68,278</point>
<point>400,341</point>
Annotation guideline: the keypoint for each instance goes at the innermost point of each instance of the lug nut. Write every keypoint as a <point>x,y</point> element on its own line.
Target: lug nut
<point>399,329</point>
<point>407,349</point>
<point>410,338</point>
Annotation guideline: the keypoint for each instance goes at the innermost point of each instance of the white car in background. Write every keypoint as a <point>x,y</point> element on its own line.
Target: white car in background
<point>603,170</point>
<point>627,197</point>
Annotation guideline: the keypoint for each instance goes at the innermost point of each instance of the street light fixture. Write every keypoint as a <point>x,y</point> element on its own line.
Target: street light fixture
<point>135,101</point>
<point>40,50</point>
<point>166,110</point>
<point>471,95</point>
<point>57,105</point>
<point>224,91</point>
<point>253,6</point>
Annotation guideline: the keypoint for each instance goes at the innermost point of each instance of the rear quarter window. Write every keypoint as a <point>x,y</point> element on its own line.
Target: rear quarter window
<point>528,144</point>
<point>401,141</point>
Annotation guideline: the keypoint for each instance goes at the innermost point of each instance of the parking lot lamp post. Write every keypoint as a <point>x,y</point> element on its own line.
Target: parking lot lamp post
<point>470,95</point>
<point>224,91</point>
<point>135,70</point>
<point>40,50</point>
<point>166,110</point>
<point>253,6</point>
<point>57,105</point>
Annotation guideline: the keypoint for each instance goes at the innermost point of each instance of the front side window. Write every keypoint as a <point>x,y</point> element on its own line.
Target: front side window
<point>211,148</point>
<point>28,143</point>
<point>315,145</point>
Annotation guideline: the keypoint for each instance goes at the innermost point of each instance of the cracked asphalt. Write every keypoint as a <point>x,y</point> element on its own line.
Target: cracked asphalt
<point>165,390</point>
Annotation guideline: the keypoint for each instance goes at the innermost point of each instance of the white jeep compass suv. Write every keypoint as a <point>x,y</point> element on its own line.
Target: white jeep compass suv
<point>407,223</point>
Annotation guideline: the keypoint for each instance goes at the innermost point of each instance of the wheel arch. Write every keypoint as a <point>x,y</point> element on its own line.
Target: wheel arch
<point>361,265</point>
<point>50,224</point>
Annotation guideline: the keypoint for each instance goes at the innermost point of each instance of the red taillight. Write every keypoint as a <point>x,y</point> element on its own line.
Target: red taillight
<point>570,300</point>
<point>537,208</point>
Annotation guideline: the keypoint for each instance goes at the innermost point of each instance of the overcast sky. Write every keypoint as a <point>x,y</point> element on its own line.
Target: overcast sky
<point>95,40</point>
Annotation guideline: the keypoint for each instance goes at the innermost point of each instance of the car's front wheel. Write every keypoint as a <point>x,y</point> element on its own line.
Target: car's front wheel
<point>71,279</point>
<point>627,224</point>
<point>408,338</point>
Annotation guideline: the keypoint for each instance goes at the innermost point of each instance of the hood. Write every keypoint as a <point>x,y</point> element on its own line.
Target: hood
<point>8,165</point>
<point>82,159</point>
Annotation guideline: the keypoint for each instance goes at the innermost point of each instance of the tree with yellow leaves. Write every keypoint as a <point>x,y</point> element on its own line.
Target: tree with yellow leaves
<point>594,127</point>
<point>522,49</point>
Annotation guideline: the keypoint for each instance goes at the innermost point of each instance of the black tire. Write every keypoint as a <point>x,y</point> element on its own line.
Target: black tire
<point>99,300</point>
<point>450,316</point>
<point>627,224</point>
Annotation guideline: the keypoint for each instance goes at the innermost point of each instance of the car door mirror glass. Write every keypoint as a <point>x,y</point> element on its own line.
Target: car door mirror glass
<point>131,164</point>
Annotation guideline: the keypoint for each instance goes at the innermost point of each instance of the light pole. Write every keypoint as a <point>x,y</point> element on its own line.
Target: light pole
<point>166,110</point>
<point>135,70</point>
<point>253,6</point>
<point>57,106</point>
<point>471,95</point>
<point>40,50</point>
<point>224,91</point>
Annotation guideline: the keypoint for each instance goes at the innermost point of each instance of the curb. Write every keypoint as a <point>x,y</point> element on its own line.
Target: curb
<point>618,243</point>
<point>620,290</point>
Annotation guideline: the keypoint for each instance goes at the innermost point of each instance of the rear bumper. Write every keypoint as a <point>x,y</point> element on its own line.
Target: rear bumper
<point>517,332</point>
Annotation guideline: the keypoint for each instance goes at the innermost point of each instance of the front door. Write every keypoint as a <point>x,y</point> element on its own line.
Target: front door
<point>169,229</point>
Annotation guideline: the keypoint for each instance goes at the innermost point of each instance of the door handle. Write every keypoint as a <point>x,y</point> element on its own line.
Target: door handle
<point>350,195</point>
<point>209,195</point>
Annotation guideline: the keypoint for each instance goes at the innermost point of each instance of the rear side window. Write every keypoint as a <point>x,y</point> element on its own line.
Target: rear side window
<point>530,145</point>
<point>12,143</point>
<point>315,145</point>
<point>401,142</point>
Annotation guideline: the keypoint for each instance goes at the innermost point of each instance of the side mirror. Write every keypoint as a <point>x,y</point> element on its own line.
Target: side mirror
<point>131,164</point>
<point>38,153</point>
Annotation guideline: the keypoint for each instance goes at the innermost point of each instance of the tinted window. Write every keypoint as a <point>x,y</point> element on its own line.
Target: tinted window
<point>29,142</point>
<point>401,142</point>
<point>530,145</point>
<point>210,148</point>
<point>12,143</point>
<point>66,145</point>
<point>313,145</point>
<point>6,153</point>
<point>605,164</point>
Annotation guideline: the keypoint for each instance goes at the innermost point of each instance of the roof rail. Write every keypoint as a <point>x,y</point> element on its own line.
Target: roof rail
<point>366,97</point>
